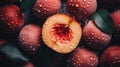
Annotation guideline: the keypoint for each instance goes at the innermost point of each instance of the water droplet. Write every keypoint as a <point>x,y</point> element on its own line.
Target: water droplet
<point>71,1</point>
<point>16,23</point>
<point>103,38</point>
<point>92,33</point>
<point>81,61</point>
<point>3,18</point>
<point>9,24</point>
<point>10,9</point>
<point>92,64</point>
<point>106,39</point>
<point>77,41</point>
<point>92,38</point>
<point>1,15</point>
<point>45,0</point>
<point>89,2</point>
<point>99,38</point>
<point>72,4</point>
<point>12,22</point>
<point>114,62</point>
<point>119,25</point>
<point>45,13</point>
<point>92,58</point>
<point>89,43</point>
<point>16,15</point>
<point>96,41</point>
<point>44,8</point>
<point>23,39</point>
<point>84,6</point>
<point>95,36</point>
<point>54,18</point>
<point>20,0</point>
<point>71,47</point>
<point>40,5</point>
<point>89,38</point>
<point>72,44</point>
<point>33,49</point>
<point>86,13</point>
<point>45,39</point>
<point>117,29</point>
<point>77,5</point>
<point>36,9</point>
<point>74,63</point>
<point>47,10</point>
<point>116,58</point>
<point>55,48</point>
<point>63,50</point>
<point>118,61</point>
<point>72,59</point>
<point>38,1</point>
<point>20,24</point>
<point>39,11</point>
<point>88,5</point>
<point>44,25</point>
<point>38,44</point>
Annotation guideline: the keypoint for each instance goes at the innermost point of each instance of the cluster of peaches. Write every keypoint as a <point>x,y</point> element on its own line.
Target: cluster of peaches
<point>59,33</point>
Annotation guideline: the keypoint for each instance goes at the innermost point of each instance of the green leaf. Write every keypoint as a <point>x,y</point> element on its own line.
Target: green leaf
<point>27,4</point>
<point>104,21</point>
<point>12,53</point>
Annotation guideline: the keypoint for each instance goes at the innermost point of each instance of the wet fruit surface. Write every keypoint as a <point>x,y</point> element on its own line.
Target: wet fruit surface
<point>45,8</point>
<point>11,20</point>
<point>81,9</point>
<point>94,37</point>
<point>116,18</point>
<point>82,57</point>
<point>111,57</point>
<point>30,37</point>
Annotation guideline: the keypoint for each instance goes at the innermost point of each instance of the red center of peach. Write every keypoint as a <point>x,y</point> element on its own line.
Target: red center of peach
<point>61,34</point>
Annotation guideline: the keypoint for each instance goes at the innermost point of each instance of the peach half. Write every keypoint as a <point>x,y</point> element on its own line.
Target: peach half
<point>61,33</point>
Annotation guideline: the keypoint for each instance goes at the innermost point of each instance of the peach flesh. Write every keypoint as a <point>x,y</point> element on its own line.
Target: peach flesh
<point>61,33</point>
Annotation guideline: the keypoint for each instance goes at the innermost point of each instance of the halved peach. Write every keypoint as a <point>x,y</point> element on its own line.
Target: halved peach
<point>61,33</point>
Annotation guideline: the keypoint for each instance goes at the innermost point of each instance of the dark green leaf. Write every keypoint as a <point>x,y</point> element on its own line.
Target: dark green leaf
<point>12,53</point>
<point>104,21</point>
<point>27,4</point>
